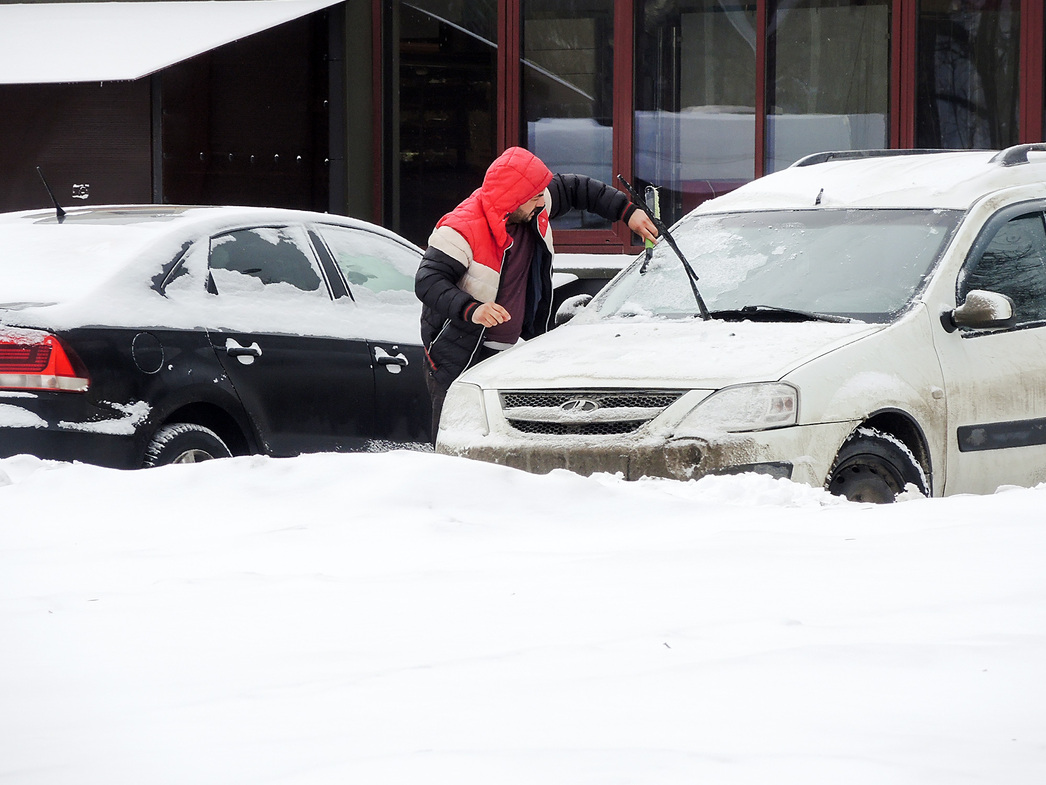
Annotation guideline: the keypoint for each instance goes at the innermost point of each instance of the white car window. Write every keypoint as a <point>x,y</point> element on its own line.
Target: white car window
<point>265,261</point>
<point>1014,264</point>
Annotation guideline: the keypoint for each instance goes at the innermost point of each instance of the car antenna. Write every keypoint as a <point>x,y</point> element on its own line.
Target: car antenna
<point>58,208</point>
<point>662,230</point>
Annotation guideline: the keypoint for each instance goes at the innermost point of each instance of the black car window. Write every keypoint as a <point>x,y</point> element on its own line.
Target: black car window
<point>371,263</point>
<point>253,259</point>
<point>1014,263</point>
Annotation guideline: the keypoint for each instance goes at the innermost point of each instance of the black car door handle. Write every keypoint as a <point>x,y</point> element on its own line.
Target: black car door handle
<point>239,351</point>
<point>245,354</point>
<point>391,361</point>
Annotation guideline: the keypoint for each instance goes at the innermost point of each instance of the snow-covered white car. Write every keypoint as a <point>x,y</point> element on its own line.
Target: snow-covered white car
<point>871,322</point>
<point>150,334</point>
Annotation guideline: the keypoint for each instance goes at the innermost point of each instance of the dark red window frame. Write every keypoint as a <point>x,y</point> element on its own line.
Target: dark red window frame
<point>903,63</point>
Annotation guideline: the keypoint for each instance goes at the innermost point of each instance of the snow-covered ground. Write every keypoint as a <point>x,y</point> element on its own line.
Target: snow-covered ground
<point>414,618</point>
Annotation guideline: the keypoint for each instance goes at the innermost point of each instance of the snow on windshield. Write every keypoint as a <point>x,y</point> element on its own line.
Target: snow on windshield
<point>864,264</point>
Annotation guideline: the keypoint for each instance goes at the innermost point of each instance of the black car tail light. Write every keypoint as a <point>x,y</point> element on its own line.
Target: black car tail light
<point>39,361</point>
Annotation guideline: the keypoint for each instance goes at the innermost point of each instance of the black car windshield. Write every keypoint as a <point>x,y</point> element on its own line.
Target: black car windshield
<point>862,264</point>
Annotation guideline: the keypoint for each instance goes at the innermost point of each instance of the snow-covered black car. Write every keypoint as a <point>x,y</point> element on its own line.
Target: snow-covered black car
<point>868,321</point>
<point>141,335</point>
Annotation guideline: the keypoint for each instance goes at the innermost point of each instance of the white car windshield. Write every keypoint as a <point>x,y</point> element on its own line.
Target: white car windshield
<point>785,264</point>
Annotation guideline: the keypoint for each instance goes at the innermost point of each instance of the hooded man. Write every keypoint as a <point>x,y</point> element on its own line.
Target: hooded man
<point>486,279</point>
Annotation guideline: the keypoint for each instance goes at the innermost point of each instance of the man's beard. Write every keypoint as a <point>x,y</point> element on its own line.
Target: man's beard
<point>521,217</point>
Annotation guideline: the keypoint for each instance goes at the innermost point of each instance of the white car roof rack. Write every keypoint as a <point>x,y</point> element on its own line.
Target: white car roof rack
<point>1018,154</point>
<point>849,155</point>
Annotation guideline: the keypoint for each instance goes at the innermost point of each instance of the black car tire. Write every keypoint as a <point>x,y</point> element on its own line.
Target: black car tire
<point>184,443</point>
<point>873,466</point>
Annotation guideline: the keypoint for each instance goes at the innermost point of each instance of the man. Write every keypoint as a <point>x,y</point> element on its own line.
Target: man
<point>486,279</point>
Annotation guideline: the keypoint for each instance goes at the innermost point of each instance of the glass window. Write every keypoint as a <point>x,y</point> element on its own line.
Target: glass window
<point>376,268</point>
<point>695,99</point>
<point>968,62</point>
<point>1014,264</point>
<point>828,80</point>
<point>266,259</point>
<point>568,96</point>
<point>862,264</point>
<point>443,123</point>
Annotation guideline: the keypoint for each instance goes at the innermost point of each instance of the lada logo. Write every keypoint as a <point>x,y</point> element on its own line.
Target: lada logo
<point>579,405</point>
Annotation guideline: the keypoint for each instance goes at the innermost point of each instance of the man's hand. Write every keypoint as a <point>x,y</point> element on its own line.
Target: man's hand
<point>641,224</point>
<point>489,314</point>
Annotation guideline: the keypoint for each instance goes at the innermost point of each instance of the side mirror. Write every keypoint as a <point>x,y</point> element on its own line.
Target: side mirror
<point>569,308</point>
<point>981,311</point>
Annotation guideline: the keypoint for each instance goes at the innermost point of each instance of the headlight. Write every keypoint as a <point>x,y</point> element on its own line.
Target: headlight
<point>463,410</point>
<point>747,407</point>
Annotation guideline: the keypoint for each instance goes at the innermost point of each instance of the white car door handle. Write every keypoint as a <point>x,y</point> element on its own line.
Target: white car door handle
<point>245,354</point>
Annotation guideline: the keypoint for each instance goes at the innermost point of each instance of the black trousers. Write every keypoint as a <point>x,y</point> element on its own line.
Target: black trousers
<point>437,394</point>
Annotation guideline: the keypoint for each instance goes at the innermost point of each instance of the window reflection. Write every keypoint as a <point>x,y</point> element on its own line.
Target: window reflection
<point>695,99</point>
<point>443,110</point>
<point>828,62</point>
<point>1014,264</point>
<point>371,262</point>
<point>967,92</point>
<point>567,81</point>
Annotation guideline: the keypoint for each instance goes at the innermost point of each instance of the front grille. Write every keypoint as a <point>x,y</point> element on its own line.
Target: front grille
<point>551,399</point>
<point>584,412</point>
<point>577,429</point>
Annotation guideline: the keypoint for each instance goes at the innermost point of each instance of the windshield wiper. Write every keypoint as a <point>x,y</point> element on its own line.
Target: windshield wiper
<point>662,230</point>
<point>771,313</point>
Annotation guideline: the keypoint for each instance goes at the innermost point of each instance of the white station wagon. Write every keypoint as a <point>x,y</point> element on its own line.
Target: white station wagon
<point>872,322</point>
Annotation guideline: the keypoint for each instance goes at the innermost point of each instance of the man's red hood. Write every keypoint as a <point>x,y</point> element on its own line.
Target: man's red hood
<point>515,177</point>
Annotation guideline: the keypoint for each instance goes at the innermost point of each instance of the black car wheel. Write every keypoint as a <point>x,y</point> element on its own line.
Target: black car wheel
<point>184,443</point>
<point>874,467</point>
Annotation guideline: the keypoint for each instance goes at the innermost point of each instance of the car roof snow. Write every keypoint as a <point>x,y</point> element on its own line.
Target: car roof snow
<point>931,179</point>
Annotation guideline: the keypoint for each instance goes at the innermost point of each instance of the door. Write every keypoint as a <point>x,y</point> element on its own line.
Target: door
<point>996,379</point>
<point>378,272</point>
<point>306,382</point>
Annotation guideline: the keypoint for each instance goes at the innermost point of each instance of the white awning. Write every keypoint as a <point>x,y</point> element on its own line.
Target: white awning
<point>99,42</point>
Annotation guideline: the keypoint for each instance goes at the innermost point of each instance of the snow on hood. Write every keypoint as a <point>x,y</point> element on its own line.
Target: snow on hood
<point>670,354</point>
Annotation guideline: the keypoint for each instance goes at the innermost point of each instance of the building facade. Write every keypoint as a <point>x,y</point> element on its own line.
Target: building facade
<point>694,96</point>
<point>390,110</point>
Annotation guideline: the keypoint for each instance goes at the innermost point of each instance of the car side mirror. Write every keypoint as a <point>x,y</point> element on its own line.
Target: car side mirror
<point>981,311</point>
<point>569,308</point>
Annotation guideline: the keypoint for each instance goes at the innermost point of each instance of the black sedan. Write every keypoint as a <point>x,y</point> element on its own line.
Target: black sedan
<point>143,335</point>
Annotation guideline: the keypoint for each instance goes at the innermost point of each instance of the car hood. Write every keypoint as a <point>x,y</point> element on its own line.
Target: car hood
<point>691,354</point>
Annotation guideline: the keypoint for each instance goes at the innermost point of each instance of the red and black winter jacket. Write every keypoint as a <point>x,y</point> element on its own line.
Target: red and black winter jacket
<point>462,266</point>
